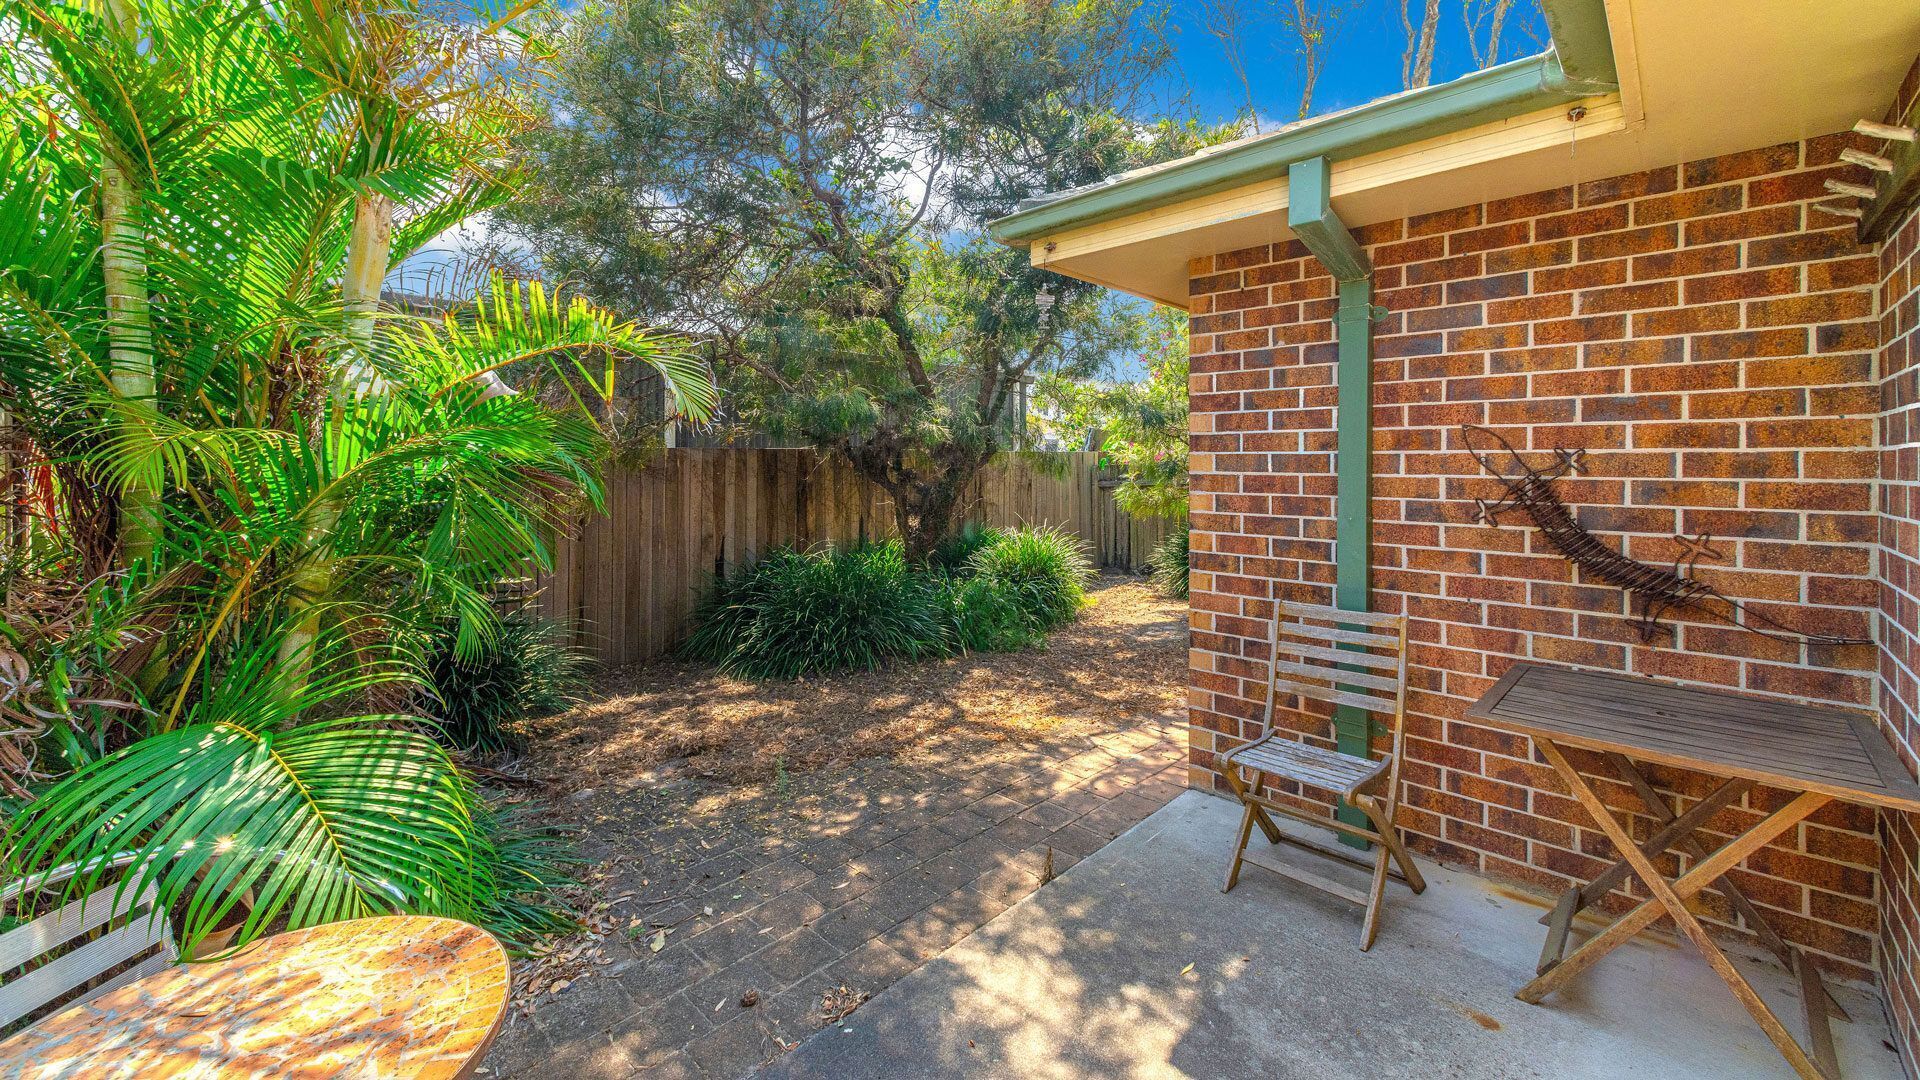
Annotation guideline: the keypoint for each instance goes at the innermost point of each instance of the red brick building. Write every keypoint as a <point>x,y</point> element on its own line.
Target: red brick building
<point>1658,261</point>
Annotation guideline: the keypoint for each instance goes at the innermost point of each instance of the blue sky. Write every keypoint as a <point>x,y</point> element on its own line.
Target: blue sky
<point>1362,58</point>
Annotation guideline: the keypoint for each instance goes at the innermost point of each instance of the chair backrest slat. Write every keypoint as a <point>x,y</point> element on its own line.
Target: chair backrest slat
<point>1345,678</point>
<point>154,964</point>
<point>1351,618</point>
<point>1335,633</point>
<point>63,924</point>
<point>1345,656</point>
<point>63,973</point>
<point>1333,696</point>
<point>124,926</point>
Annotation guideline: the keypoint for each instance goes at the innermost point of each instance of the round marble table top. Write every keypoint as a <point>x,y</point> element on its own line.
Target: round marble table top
<point>403,996</point>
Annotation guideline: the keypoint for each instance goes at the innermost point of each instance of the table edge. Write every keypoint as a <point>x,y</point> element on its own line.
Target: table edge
<point>1483,707</point>
<point>1903,790</point>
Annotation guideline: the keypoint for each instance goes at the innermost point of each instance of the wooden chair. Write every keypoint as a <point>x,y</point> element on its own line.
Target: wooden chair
<point>80,949</point>
<point>1352,658</point>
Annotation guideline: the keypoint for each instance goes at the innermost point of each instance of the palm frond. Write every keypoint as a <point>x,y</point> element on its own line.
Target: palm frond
<point>321,820</point>
<point>516,323</point>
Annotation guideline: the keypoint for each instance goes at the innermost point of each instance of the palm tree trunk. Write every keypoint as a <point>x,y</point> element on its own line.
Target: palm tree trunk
<point>129,325</point>
<point>369,249</point>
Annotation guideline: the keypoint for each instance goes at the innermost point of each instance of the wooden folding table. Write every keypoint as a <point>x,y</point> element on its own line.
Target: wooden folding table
<point>1816,754</point>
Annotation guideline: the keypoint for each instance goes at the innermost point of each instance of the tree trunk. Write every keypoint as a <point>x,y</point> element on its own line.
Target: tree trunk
<point>926,499</point>
<point>123,263</point>
<point>926,517</point>
<point>1416,64</point>
<point>369,248</point>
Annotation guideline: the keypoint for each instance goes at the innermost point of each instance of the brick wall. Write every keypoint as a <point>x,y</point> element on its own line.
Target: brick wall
<point>1899,574</point>
<point>1711,340</point>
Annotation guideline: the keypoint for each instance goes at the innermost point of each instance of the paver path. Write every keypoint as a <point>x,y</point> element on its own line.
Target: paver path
<point>854,886</point>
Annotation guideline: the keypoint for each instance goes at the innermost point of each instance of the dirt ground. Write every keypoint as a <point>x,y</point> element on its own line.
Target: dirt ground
<point>824,836</point>
<point>1126,656</point>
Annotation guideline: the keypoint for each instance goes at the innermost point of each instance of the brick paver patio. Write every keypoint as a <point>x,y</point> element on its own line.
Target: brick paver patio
<point>854,885</point>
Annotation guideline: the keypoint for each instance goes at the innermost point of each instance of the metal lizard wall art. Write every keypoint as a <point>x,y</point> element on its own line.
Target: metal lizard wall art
<point>1657,589</point>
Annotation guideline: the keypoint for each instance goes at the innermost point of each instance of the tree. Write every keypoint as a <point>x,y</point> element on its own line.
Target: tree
<point>1416,62</point>
<point>1484,19</point>
<point>1226,21</point>
<point>805,185</point>
<point>1140,426</point>
<point>318,472</point>
<point>1313,24</point>
<point>1488,20</point>
<point>123,272</point>
<point>1309,24</point>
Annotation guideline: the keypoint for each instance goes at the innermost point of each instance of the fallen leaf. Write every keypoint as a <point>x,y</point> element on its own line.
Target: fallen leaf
<point>1186,969</point>
<point>659,940</point>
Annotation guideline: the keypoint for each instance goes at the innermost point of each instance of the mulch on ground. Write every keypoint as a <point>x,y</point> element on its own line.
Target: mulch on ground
<point>1125,656</point>
<point>762,858</point>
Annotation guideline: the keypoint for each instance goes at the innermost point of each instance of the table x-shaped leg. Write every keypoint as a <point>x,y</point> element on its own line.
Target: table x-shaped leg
<point>1669,898</point>
<point>1685,842</point>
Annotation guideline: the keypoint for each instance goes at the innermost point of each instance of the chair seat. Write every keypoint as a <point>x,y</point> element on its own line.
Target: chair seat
<point>1303,763</point>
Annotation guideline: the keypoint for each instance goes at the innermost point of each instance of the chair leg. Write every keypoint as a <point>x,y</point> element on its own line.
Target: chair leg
<point>1246,795</point>
<point>1239,849</point>
<point>1390,839</point>
<point>1370,926</point>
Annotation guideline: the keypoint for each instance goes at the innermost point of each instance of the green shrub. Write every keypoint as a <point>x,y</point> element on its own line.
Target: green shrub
<point>1043,571</point>
<point>1171,564</point>
<point>986,618</point>
<point>954,553</point>
<point>796,613</point>
<point>526,670</point>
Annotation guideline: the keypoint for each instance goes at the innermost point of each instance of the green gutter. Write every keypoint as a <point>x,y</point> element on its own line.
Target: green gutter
<point>1580,65</point>
<point>1310,215</point>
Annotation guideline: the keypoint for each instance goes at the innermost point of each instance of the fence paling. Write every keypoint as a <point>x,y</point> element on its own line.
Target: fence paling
<point>628,580</point>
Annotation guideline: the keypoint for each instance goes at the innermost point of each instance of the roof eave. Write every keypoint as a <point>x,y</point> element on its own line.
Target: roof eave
<point>1483,97</point>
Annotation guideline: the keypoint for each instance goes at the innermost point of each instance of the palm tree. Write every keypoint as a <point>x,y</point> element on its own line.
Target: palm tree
<point>321,480</point>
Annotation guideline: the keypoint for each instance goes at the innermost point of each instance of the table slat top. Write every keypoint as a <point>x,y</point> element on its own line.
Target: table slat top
<point>1836,752</point>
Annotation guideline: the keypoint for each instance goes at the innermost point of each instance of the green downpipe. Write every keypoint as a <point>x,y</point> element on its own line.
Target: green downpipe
<point>1353,487</point>
<point>1310,215</point>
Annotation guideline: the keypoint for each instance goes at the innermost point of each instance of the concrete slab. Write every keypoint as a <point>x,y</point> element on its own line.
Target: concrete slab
<point>1133,964</point>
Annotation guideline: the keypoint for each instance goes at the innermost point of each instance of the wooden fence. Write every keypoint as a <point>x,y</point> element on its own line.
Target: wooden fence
<point>629,579</point>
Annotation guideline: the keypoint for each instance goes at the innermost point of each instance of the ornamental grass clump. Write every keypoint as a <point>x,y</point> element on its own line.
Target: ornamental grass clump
<point>986,618</point>
<point>524,669</point>
<point>829,609</point>
<point>1171,564</point>
<point>954,553</point>
<point>1043,571</point>
<point>826,609</point>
